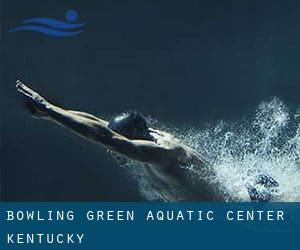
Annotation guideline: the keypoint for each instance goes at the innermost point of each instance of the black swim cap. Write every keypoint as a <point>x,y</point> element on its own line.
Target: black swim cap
<point>132,125</point>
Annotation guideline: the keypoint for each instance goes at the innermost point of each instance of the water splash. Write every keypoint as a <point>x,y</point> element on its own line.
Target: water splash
<point>267,142</point>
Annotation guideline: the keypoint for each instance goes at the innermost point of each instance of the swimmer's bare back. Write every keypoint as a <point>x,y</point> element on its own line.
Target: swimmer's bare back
<point>166,156</point>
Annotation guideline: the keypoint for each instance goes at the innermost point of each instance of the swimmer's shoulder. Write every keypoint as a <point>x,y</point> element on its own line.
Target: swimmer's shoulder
<point>185,155</point>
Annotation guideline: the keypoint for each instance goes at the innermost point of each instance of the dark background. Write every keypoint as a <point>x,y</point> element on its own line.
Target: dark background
<point>182,62</point>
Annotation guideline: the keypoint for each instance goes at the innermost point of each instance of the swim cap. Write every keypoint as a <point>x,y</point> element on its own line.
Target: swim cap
<point>132,125</point>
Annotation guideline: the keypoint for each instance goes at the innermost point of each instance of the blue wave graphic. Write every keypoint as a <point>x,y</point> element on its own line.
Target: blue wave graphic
<point>53,23</point>
<point>47,31</point>
<point>53,27</point>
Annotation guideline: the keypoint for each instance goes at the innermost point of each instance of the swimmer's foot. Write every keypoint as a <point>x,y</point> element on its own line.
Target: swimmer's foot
<point>34,103</point>
<point>263,188</point>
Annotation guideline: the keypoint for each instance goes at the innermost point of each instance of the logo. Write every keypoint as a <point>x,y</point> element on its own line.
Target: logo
<point>53,27</point>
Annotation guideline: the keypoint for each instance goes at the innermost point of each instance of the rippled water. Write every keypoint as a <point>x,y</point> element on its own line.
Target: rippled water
<point>266,142</point>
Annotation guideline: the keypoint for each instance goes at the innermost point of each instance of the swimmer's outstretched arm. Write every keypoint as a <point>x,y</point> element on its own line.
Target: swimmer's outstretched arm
<point>95,129</point>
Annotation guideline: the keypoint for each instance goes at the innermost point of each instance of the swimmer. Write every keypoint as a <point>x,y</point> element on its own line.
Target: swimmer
<point>129,136</point>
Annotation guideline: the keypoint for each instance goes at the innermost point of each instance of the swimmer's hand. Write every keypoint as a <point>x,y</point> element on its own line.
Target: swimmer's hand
<point>35,103</point>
